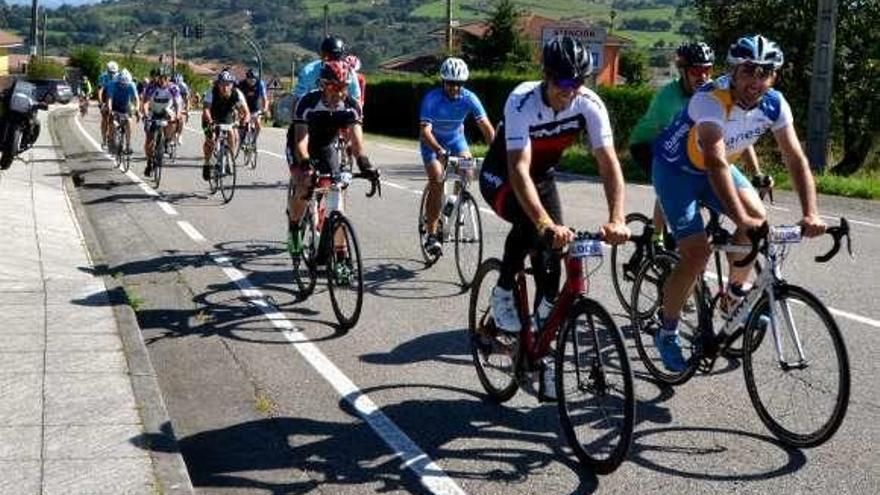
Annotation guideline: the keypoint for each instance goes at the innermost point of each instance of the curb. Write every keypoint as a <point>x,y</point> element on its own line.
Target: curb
<point>158,437</point>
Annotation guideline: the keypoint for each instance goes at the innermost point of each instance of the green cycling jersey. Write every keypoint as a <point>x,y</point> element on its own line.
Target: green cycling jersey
<point>665,105</point>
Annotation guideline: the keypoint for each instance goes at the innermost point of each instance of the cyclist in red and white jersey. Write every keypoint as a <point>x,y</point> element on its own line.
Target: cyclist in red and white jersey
<point>542,119</point>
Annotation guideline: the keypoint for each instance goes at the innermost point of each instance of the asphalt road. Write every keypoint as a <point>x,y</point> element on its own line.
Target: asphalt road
<point>267,396</point>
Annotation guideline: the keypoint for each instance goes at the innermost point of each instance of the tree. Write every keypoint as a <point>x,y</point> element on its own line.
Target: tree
<point>634,66</point>
<point>503,46</point>
<point>855,101</point>
<point>89,60</point>
<point>44,68</point>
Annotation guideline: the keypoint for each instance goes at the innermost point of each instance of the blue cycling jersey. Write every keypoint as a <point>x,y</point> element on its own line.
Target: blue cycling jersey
<point>121,95</point>
<point>105,80</point>
<point>446,115</point>
<point>308,81</point>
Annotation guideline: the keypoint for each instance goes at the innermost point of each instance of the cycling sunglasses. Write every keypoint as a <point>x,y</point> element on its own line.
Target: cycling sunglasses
<point>758,71</point>
<point>454,84</point>
<point>568,84</point>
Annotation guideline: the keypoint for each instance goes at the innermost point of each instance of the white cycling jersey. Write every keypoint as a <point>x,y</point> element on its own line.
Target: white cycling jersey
<point>678,145</point>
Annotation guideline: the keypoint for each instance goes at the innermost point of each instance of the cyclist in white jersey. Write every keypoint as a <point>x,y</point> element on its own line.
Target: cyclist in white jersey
<point>691,167</point>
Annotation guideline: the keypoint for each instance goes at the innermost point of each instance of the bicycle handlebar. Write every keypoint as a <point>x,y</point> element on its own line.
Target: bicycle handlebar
<point>837,233</point>
<point>375,183</point>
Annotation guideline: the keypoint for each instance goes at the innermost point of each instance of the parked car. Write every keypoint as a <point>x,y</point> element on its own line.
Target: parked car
<point>53,90</point>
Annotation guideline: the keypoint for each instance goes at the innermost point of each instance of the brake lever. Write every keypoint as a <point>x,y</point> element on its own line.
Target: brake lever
<point>755,236</point>
<point>837,233</point>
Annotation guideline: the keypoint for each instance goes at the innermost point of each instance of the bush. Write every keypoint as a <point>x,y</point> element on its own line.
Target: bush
<point>43,68</point>
<point>89,60</point>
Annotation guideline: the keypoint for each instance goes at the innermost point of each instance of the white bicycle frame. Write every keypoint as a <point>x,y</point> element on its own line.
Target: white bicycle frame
<point>461,169</point>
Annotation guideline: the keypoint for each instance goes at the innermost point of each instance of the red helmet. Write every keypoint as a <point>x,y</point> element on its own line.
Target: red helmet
<point>335,71</point>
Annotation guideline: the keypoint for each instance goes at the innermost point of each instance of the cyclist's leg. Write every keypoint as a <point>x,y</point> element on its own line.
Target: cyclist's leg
<point>434,171</point>
<point>207,149</point>
<point>127,123</point>
<point>459,147</point>
<point>549,271</point>
<point>754,206</point>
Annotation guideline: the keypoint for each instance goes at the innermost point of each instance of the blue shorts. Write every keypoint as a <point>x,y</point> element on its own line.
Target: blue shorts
<point>455,145</point>
<point>681,194</point>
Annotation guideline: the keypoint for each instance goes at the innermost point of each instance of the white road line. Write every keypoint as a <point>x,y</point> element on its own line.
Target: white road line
<point>430,474</point>
<point>191,231</point>
<point>167,208</point>
<point>276,155</point>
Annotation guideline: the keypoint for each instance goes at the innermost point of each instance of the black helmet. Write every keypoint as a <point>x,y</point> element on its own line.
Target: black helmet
<point>334,46</point>
<point>694,53</point>
<point>250,74</point>
<point>566,58</point>
<point>163,71</point>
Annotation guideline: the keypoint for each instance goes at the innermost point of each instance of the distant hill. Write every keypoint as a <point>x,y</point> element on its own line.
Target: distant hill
<point>289,30</point>
<point>53,3</point>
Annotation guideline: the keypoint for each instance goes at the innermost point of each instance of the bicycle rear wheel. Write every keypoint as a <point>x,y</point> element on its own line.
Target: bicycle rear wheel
<point>158,156</point>
<point>250,158</point>
<point>468,239</point>
<point>430,258</point>
<point>345,277</point>
<point>305,270</point>
<point>594,383</point>
<point>227,176</point>
<point>494,352</point>
<point>647,296</point>
<point>802,402</point>
<point>626,259</point>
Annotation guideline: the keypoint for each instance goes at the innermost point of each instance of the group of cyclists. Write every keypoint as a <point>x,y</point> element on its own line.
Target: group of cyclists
<point>694,131</point>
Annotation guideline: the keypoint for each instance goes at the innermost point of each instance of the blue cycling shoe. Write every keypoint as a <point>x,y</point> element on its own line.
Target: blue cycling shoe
<point>669,346</point>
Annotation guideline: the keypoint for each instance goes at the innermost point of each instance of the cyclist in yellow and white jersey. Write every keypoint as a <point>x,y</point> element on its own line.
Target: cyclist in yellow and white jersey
<point>692,158</point>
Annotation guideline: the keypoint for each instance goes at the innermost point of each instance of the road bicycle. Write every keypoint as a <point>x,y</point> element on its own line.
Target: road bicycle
<point>222,170</point>
<point>329,241</point>
<point>83,105</point>
<point>248,146</point>
<point>117,146</point>
<point>593,378</point>
<point>459,220</point>
<point>805,348</point>
<point>156,158</point>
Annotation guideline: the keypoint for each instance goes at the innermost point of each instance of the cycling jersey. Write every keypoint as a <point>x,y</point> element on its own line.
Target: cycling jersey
<point>254,94</point>
<point>677,145</point>
<point>162,100</point>
<point>122,96</point>
<point>308,81</point>
<point>446,116</point>
<point>223,108</point>
<point>664,107</point>
<point>104,81</point>
<point>325,122</point>
<point>530,122</point>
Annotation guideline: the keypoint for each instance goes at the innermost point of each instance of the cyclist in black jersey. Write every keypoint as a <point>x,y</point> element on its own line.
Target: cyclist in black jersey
<point>223,103</point>
<point>541,120</point>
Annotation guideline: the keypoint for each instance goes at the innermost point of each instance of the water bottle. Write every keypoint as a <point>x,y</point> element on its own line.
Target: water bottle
<point>334,200</point>
<point>450,204</point>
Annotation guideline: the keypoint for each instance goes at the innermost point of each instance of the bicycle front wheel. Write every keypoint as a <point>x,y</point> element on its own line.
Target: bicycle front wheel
<point>802,394</point>
<point>251,151</point>
<point>227,176</point>
<point>158,157</point>
<point>626,259</point>
<point>430,258</point>
<point>468,239</point>
<point>494,352</point>
<point>594,383</point>
<point>345,277</point>
<point>305,270</point>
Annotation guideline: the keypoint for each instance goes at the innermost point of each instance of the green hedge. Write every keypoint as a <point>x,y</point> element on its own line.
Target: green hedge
<point>392,106</point>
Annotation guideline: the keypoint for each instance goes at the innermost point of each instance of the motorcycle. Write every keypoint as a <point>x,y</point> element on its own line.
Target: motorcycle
<point>19,128</point>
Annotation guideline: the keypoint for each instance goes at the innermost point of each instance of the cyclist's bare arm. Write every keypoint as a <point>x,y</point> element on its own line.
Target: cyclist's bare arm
<point>615,231</point>
<point>357,139</point>
<point>301,141</point>
<point>486,128</point>
<point>518,163</point>
<point>426,131</point>
<point>244,111</point>
<point>801,177</point>
<point>711,139</point>
<point>750,161</point>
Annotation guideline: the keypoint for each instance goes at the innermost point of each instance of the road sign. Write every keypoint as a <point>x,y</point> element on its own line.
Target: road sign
<point>593,37</point>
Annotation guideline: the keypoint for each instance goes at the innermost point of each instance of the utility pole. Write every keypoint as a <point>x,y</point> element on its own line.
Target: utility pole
<point>448,26</point>
<point>820,85</point>
<point>326,20</point>
<point>45,27</point>
<point>33,36</point>
<point>174,52</point>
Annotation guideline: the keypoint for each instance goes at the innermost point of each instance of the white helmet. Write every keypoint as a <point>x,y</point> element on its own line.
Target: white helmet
<point>112,67</point>
<point>124,77</point>
<point>454,69</point>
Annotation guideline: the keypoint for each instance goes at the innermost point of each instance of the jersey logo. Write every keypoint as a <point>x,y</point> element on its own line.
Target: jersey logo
<point>523,101</point>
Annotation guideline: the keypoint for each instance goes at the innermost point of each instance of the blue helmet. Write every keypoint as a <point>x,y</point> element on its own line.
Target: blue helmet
<point>755,49</point>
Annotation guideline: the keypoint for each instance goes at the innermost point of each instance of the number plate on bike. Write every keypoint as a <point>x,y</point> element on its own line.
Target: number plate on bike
<point>785,234</point>
<point>585,248</point>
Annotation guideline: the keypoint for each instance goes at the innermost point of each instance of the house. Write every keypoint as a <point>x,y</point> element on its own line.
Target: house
<point>533,27</point>
<point>7,42</point>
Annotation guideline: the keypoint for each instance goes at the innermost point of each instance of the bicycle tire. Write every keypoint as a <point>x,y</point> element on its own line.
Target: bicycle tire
<point>622,286</point>
<point>216,168</point>
<point>227,177</point>
<point>118,139</point>
<point>158,156</point>
<point>252,151</point>
<point>429,258</point>
<point>597,457</point>
<point>305,270</point>
<point>124,160</point>
<point>484,337</point>
<point>467,213</point>
<point>352,264</point>
<point>776,424</point>
<point>649,280</point>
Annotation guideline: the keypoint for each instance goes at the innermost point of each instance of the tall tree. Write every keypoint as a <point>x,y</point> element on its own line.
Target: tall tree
<point>855,99</point>
<point>504,45</point>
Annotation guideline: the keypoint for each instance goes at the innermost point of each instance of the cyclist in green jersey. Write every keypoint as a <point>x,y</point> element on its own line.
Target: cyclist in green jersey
<point>694,61</point>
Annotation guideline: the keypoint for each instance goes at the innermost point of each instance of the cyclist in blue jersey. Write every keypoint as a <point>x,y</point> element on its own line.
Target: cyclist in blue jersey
<point>332,48</point>
<point>442,134</point>
<point>184,96</point>
<point>104,81</point>
<point>123,98</point>
<point>692,166</point>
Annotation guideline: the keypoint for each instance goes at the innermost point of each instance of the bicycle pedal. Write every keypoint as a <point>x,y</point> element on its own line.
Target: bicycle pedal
<point>707,364</point>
